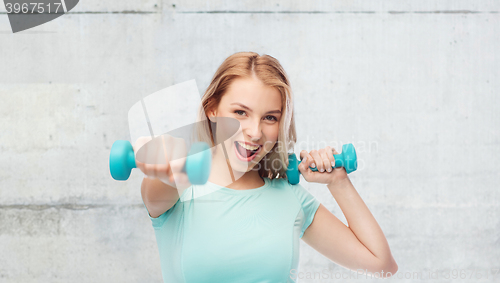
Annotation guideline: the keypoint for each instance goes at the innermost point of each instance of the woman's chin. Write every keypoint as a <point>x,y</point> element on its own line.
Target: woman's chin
<point>244,166</point>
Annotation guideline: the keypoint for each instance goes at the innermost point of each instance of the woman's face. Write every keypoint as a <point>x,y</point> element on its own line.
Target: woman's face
<point>258,109</point>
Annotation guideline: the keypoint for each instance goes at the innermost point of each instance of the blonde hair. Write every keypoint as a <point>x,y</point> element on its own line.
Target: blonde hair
<point>268,70</point>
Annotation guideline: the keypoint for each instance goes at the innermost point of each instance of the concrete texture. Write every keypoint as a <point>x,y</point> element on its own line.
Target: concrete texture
<point>413,84</point>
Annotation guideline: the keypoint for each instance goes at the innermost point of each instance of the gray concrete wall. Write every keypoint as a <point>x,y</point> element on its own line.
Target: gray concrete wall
<point>413,84</point>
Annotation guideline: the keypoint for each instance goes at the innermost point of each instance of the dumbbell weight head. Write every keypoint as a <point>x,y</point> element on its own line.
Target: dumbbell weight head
<point>292,172</point>
<point>199,163</point>
<point>349,158</point>
<point>121,160</point>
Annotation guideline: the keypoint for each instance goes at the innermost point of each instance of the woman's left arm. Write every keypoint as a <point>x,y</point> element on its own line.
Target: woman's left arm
<point>361,246</point>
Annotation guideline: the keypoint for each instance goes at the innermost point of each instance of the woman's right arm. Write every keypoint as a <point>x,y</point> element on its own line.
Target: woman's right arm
<point>158,196</point>
<point>159,190</point>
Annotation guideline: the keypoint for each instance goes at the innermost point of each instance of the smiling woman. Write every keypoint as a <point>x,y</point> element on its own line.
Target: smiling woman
<point>245,223</point>
<point>256,91</point>
<point>257,107</point>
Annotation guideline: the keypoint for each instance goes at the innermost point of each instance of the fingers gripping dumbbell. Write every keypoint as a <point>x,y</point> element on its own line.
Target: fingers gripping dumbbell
<point>347,159</point>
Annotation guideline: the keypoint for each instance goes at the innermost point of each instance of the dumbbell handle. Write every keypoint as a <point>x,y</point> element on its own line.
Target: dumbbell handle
<point>197,166</point>
<point>339,162</point>
<point>346,159</point>
<point>122,160</point>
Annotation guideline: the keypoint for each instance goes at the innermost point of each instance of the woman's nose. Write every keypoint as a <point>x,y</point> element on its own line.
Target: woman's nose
<point>253,130</point>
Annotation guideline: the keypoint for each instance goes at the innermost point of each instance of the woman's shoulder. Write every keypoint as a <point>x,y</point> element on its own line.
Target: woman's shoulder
<point>302,195</point>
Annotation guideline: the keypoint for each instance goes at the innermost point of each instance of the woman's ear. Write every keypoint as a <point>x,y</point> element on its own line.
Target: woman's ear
<point>211,115</point>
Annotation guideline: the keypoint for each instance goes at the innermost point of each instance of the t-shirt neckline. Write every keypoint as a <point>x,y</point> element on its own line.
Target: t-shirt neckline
<point>240,192</point>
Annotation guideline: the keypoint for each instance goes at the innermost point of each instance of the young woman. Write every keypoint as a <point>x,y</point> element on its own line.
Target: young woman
<point>244,225</point>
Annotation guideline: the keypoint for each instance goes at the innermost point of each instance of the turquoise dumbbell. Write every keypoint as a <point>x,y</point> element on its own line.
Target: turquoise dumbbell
<point>197,166</point>
<point>347,159</point>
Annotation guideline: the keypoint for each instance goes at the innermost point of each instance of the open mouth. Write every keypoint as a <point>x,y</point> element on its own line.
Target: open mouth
<point>245,154</point>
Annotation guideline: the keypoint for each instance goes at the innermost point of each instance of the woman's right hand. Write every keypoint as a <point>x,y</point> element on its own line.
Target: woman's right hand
<point>162,158</point>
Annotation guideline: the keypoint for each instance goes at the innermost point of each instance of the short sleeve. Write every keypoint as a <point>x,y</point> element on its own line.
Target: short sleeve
<point>160,220</point>
<point>308,203</point>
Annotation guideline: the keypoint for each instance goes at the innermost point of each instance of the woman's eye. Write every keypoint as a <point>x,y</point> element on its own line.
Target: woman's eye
<point>272,118</point>
<point>238,112</point>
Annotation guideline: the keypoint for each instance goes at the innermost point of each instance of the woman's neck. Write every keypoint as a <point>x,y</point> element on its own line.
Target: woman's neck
<point>223,174</point>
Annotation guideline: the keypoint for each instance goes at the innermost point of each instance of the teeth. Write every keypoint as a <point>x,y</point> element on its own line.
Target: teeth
<point>247,146</point>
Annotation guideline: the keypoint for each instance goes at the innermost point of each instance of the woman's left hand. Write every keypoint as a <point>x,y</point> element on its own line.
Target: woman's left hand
<point>322,160</point>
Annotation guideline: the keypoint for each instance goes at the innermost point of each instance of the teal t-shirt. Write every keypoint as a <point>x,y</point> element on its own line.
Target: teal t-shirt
<point>218,234</point>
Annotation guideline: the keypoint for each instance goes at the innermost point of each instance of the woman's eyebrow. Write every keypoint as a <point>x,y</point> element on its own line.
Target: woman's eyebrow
<point>246,107</point>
